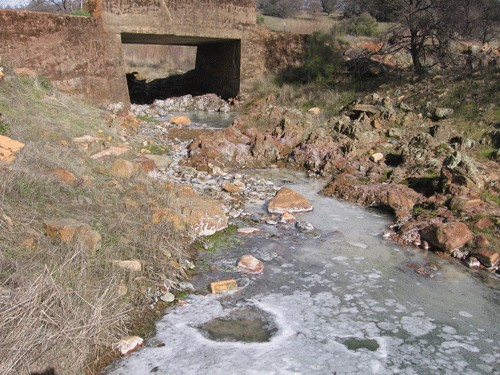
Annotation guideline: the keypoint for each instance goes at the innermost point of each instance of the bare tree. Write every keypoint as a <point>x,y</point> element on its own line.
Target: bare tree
<point>424,28</point>
<point>54,6</point>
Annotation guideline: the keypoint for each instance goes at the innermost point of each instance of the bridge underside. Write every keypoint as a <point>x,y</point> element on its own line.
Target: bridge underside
<point>217,68</point>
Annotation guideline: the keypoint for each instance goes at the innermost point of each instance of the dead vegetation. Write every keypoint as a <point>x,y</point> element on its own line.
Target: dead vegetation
<point>61,306</point>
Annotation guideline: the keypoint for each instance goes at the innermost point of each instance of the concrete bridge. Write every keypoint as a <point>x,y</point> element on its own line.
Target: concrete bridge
<point>82,55</point>
<point>220,29</point>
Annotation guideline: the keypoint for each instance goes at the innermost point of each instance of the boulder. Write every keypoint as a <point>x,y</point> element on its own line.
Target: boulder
<point>231,188</point>
<point>459,169</point>
<point>123,168</point>
<point>180,120</point>
<point>64,175</point>
<point>205,216</point>
<point>90,144</point>
<point>447,236</point>
<point>463,203</point>
<point>482,223</point>
<point>8,149</point>
<point>487,257</point>
<point>288,200</point>
<point>145,164</point>
<point>132,265</point>
<point>250,264</point>
<point>113,150</point>
<point>69,230</point>
<point>24,72</point>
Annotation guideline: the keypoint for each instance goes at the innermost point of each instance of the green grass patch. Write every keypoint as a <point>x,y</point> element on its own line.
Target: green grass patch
<point>157,149</point>
<point>148,119</point>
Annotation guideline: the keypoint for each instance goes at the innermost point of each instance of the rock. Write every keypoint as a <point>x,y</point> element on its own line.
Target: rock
<point>366,108</point>
<point>487,257</point>
<point>173,218</point>
<point>132,265</point>
<point>8,149</point>
<point>145,164</point>
<point>250,264</point>
<point>463,203</point>
<point>180,120</point>
<point>24,72</point>
<point>230,188</point>
<point>113,150</point>
<point>482,223</point>
<point>123,169</point>
<point>441,113</point>
<point>64,175</point>
<point>223,286</point>
<point>161,161</point>
<point>288,200</point>
<point>376,157</point>
<point>90,144</point>
<point>248,230</point>
<point>205,216</point>
<point>447,236</point>
<point>167,297</point>
<point>458,169</point>
<point>472,262</point>
<point>129,344</point>
<point>68,230</point>
<point>481,241</point>
<point>304,226</point>
<point>287,217</point>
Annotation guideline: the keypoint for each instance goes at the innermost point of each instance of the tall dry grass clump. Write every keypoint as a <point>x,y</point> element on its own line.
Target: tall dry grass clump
<point>61,305</point>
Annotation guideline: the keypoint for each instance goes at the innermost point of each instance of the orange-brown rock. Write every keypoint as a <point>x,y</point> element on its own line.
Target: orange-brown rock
<point>145,164</point>
<point>231,188</point>
<point>180,120</point>
<point>481,241</point>
<point>447,236</point>
<point>68,230</point>
<point>250,264</point>
<point>123,168</point>
<point>90,144</point>
<point>487,257</point>
<point>8,149</point>
<point>288,200</point>
<point>482,223</point>
<point>64,175</point>
<point>129,344</point>
<point>24,72</point>
<point>223,286</point>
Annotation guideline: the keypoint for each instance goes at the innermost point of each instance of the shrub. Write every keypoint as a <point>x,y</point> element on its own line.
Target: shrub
<point>363,25</point>
<point>322,62</point>
<point>81,13</point>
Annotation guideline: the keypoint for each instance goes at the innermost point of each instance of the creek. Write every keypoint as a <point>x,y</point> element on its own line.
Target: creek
<point>337,300</point>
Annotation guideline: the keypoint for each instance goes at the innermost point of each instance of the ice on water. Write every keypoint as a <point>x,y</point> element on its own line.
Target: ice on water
<point>367,295</point>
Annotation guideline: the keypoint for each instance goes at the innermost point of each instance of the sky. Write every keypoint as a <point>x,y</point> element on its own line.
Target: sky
<point>12,3</point>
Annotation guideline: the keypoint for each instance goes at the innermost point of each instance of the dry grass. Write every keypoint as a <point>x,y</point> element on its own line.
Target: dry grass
<point>59,304</point>
<point>158,61</point>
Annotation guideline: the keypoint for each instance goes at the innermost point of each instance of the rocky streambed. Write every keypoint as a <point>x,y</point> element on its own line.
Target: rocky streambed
<point>378,153</point>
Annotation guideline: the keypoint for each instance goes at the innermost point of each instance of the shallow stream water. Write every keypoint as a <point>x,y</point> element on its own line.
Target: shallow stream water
<point>337,300</point>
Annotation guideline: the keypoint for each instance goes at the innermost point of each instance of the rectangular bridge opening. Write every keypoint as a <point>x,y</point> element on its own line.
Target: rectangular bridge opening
<point>213,66</point>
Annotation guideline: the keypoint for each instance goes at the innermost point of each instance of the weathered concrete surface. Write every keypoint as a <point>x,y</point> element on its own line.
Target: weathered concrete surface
<point>75,53</point>
<point>215,27</point>
<point>82,56</point>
